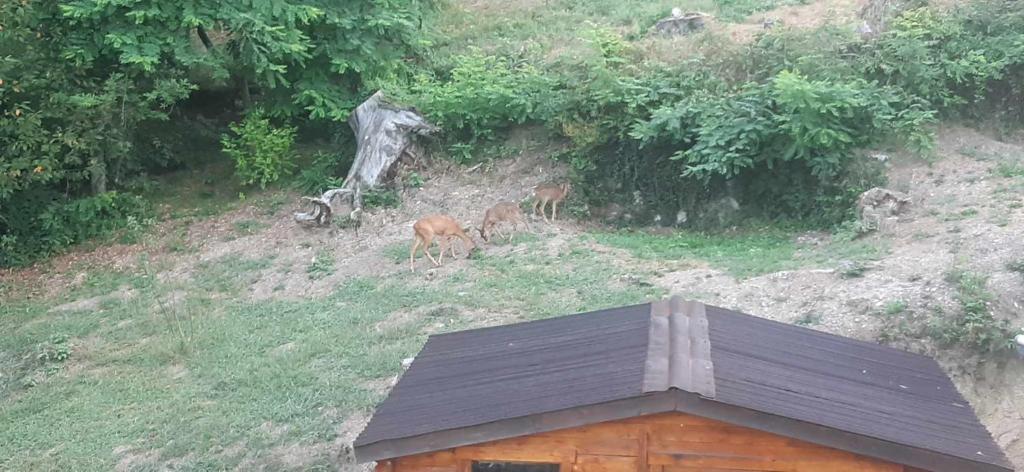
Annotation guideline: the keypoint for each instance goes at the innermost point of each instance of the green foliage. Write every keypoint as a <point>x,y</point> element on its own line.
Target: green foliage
<point>262,153</point>
<point>57,349</point>
<point>382,198</point>
<point>326,171</point>
<point>975,327</point>
<point>93,93</point>
<point>37,224</point>
<point>777,125</point>
<point>482,94</point>
<point>1016,266</point>
<point>954,60</point>
<point>808,319</point>
<point>815,123</point>
<point>895,307</point>
<point>322,265</point>
<point>414,180</point>
<point>738,10</point>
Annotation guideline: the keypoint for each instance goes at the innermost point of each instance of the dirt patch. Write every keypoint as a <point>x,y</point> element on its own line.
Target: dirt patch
<point>336,454</point>
<point>94,303</point>
<point>282,350</point>
<point>129,459</point>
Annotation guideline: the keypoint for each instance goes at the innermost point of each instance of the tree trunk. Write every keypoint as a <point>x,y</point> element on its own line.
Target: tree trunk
<point>205,38</point>
<point>877,14</point>
<point>98,175</point>
<point>246,96</point>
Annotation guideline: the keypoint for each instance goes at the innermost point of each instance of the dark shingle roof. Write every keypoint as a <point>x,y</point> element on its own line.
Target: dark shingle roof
<point>491,383</point>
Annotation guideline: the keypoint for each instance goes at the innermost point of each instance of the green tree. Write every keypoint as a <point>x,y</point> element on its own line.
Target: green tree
<point>83,81</point>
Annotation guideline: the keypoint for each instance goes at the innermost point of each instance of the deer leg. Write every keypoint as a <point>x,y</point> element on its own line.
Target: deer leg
<point>554,210</point>
<point>444,244</point>
<point>426,249</point>
<point>412,254</point>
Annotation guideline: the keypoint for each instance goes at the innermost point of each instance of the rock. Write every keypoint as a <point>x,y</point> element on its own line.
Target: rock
<point>680,23</point>
<point>878,206</point>
<point>407,362</point>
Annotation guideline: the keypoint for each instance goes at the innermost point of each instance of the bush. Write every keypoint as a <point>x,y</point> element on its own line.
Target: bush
<point>975,328</point>
<point>327,170</point>
<point>956,61</point>
<point>482,94</point>
<point>262,153</point>
<point>30,234</point>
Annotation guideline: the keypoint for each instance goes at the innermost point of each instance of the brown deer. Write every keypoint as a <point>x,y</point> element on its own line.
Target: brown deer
<point>503,212</point>
<point>443,227</point>
<point>553,193</point>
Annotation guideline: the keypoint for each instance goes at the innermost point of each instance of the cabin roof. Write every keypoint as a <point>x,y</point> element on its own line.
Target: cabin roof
<point>493,383</point>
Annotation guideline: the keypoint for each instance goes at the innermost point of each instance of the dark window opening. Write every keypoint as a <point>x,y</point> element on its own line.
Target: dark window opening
<point>483,466</point>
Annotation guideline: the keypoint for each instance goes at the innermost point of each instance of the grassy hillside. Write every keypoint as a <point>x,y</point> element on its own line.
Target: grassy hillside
<point>223,336</point>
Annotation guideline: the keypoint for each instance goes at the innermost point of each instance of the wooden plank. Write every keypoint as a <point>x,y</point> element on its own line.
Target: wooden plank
<point>684,462</point>
<point>593,463</point>
<point>642,458</point>
<point>439,458</point>
<point>667,442</point>
<point>530,449</point>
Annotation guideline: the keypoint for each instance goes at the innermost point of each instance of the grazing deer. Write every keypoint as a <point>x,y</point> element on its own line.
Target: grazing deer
<point>554,193</point>
<point>503,212</point>
<point>437,226</point>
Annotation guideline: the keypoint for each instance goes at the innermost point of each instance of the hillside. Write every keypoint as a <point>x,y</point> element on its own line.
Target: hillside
<point>250,341</point>
<point>224,336</point>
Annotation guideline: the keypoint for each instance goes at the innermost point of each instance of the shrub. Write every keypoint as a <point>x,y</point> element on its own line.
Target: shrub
<point>975,328</point>
<point>382,198</point>
<point>262,153</point>
<point>57,349</point>
<point>482,94</point>
<point>63,223</point>
<point>327,170</point>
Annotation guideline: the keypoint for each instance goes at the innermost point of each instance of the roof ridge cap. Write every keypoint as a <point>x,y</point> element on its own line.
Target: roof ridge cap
<point>679,348</point>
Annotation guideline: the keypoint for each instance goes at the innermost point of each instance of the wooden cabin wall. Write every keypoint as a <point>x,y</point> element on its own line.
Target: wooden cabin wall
<point>670,442</point>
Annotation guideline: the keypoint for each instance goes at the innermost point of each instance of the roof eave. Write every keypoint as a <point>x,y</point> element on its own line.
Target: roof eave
<point>662,402</point>
<point>666,402</point>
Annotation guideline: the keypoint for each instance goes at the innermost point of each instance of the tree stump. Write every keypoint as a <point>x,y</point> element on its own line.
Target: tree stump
<point>680,23</point>
<point>384,133</point>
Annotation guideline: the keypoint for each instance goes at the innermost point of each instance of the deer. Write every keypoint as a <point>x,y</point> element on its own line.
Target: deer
<point>553,193</point>
<point>502,212</point>
<point>437,226</point>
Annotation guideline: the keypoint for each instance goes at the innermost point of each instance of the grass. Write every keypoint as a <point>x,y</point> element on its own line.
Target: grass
<point>248,227</point>
<point>895,307</point>
<point>808,319</point>
<point>322,265</point>
<point>560,29</point>
<point>744,254</point>
<point>1010,169</point>
<point>187,368</point>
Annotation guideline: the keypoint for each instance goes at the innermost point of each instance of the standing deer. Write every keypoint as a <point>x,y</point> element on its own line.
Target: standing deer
<point>437,226</point>
<point>503,212</point>
<point>554,193</point>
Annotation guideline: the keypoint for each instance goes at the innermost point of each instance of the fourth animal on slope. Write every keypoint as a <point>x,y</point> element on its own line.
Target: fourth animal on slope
<point>549,193</point>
